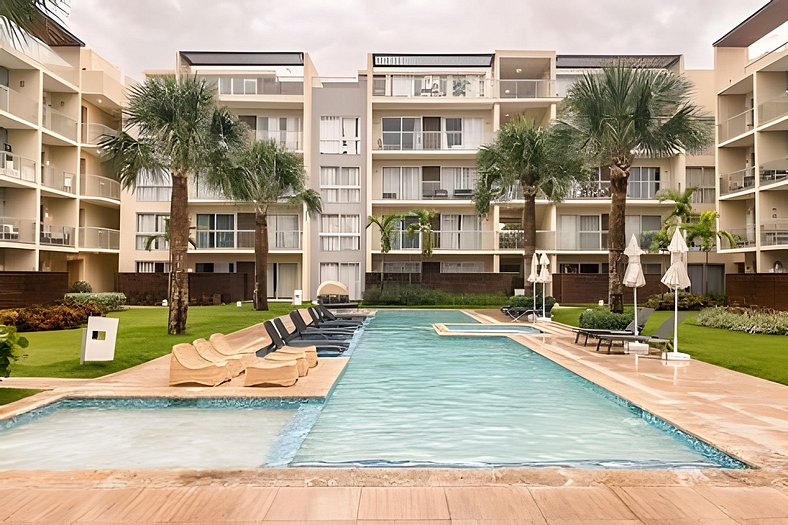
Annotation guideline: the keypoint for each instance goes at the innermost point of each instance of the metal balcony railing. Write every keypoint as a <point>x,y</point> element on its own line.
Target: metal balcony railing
<point>98,186</point>
<point>13,229</point>
<point>244,239</point>
<point>744,237</point>
<point>60,123</point>
<point>254,85</point>
<point>428,140</point>
<point>774,171</point>
<point>527,88</point>
<point>636,189</point>
<point>774,232</point>
<point>17,167</point>
<point>57,235</point>
<point>737,181</point>
<point>773,109</point>
<point>15,103</point>
<point>96,238</point>
<point>736,125</point>
<point>58,179</point>
<point>93,133</point>
<point>290,140</point>
<point>433,86</point>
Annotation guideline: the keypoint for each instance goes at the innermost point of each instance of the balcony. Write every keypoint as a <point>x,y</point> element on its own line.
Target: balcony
<point>95,238</point>
<point>199,190</point>
<point>440,87</point>
<point>17,230</point>
<point>244,239</point>
<point>100,187</point>
<point>775,171</point>
<point>774,233</point>
<point>428,141</point>
<point>525,89</point>
<point>513,240</point>
<point>93,133</point>
<point>17,167</point>
<point>636,189</point>
<point>736,181</point>
<point>744,237</point>
<point>19,105</point>
<point>55,178</point>
<point>442,240</point>
<point>735,126</point>
<point>57,236</point>
<point>60,123</point>
<point>773,109</point>
<point>243,85</point>
<point>290,140</point>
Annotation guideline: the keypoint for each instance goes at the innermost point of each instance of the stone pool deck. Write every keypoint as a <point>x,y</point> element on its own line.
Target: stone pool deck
<point>742,415</point>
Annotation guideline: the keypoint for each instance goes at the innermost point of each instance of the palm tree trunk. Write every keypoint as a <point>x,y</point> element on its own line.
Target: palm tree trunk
<point>179,245</point>
<point>260,260</point>
<point>529,228</point>
<point>706,274</point>
<point>616,237</point>
<point>382,266</point>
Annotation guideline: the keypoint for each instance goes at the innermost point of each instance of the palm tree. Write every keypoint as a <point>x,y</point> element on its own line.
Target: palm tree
<point>423,228</point>
<point>19,17</point>
<point>173,126</point>
<point>534,158</point>
<point>624,113</point>
<point>385,224</point>
<point>682,202</point>
<point>705,230</point>
<point>267,174</point>
<point>165,236</point>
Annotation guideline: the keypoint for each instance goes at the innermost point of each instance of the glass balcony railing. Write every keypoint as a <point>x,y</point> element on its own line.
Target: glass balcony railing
<point>244,239</point>
<point>774,232</point>
<point>53,177</point>
<point>428,140</point>
<point>636,189</point>
<point>57,235</point>
<point>15,103</point>
<point>13,229</point>
<point>739,180</point>
<point>527,88</point>
<point>17,167</point>
<point>92,133</point>
<point>96,238</point>
<point>252,85</point>
<point>60,123</point>
<point>435,86</point>
<point>514,240</point>
<point>774,171</point>
<point>735,126</point>
<point>98,186</point>
<point>773,109</point>
<point>290,140</point>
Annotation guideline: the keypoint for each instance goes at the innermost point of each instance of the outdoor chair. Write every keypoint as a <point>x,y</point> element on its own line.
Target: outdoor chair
<point>611,339</point>
<point>282,337</point>
<point>272,373</point>
<point>236,364</point>
<point>187,366</point>
<point>643,316</point>
<point>301,365</point>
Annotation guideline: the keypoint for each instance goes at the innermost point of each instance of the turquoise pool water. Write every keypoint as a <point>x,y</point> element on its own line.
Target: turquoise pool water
<point>492,329</point>
<point>412,397</point>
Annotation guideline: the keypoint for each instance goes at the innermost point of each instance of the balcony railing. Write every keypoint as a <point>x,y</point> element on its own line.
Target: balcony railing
<point>428,140</point>
<point>93,133</point>
<point>58,179</point>
<point>255,85</point>
<point>57,235</point>
<point>774,171</point>
<point>601,190</point>
<point>290,140</point>
<point>774,232</point>
<point>527,88</point>
<point>14,102</point>
<point>514,240</point>
<point>201,191</point>
<point>244,239</point>
<point>434,86</point>
<point>430,191</point>
<point>17,167</point>
<point>773,109</point>
<point>13,229</point>
<point>737,181</point>
<point>96,238</point>
<point>60,123</point>
<point>744,237</point>
<point>98,186</point>
<point>735,125</point>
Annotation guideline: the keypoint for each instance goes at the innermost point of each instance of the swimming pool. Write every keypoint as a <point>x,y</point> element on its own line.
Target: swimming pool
<point>408,397</point>
<point>487,328</point>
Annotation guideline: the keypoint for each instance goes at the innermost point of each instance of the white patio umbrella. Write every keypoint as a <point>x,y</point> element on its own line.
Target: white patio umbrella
<point>533,277</point>
<point>676,279</point>
<point>633,275</point>
<point>544,278</point>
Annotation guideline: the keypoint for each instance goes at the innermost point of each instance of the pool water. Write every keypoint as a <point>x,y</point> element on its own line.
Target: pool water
<point>412,397</point>
<point>492,329</point>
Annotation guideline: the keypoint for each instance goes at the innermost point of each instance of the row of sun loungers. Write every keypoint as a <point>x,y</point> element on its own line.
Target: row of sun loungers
<point>272,353</point>
<point>627,335</point>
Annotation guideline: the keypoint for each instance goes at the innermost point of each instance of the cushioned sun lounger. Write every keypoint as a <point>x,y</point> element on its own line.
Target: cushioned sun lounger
<point>187,366</point>
<point>309,324</point>
<point>300,360</point>
<point>235,363</point>
<point>331,316</point>
<point>267,372</point>
<point>611,339</point>
<point>308,352</point>
<point>643,316</point>
<point>320,322</point>
<point>282,337</point>
<point>309,332</point>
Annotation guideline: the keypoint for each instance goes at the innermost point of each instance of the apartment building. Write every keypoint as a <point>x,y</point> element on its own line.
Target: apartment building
<point>59,207</point>
<point>751,86</point>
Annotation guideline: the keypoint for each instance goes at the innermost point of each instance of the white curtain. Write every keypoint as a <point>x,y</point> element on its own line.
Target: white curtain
<point>401,86</point>
<point>632,226</point>
<point>450,232</point>
<point>391,183</point>
<point>567,232</point>
<point>411,183</point>
<point>350,134</point>
<point>472,129</point>
<point>330,134</point>
<point>449,178</point>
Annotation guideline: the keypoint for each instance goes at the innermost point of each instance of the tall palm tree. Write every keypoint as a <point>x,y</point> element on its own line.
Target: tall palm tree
<point>535,159</point>
<point>423,228</point>
<point>385,224</point>
<point>173,126</point>
<point>19,16</point>
<point>705,230</point>
<point>267,174</point>
<point>624,113</point>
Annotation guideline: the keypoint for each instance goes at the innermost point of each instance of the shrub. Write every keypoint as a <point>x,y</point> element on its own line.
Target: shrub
<point>415,295</point>
<point>750,320</point>
<point>110,301</point>
<point>80,287</point>
<point>687,301</point>
<point>525,301</point>
<point>603,318</point>
<point>56,317</point>
<point>10,344</point>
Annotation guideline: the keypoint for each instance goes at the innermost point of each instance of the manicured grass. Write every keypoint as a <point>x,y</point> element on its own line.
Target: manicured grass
<point>764,356</point>
<point>142,336</point>
<point>9,395</point>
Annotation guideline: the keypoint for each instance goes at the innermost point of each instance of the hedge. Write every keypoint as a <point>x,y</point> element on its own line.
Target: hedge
<point>415,295</point>
<point>687,301</point>
<point>56,317</point>
<point>526,301</point>
<point>750,320</point>
<point>110,301</point>
<point>603,318</point>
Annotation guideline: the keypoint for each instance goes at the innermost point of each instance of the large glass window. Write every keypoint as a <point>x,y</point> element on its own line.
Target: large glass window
<point>582,232</point>
<point>402,267</point>
<point>345,273</point>
<point>339,232</point>
<point>462,267</point>
<point>152,187</point>
<point>151,231</point>
<point>643,182</point>
<point>215,230</point>
<point>702,178</point>
<point>340,184</point>
<point>340,135</point>
<point>401,183</point>
<point>152,267</point>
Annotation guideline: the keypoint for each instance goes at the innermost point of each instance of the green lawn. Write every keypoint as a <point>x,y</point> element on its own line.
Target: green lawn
<point>142,336</point>
<point>764,356</point>
<point>9,395</point>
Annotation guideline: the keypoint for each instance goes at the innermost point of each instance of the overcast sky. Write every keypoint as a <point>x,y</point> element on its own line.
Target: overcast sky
<point>145,34</point>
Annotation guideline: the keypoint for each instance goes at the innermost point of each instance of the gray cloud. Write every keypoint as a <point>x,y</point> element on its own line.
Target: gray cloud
<point>145,34</point>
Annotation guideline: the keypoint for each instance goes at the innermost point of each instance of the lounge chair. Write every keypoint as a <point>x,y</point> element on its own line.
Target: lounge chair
<point>235,363</point>
<point>312,324</point>
<point>250,339</point>
<point>266,372</point>
<point>187,366</point>
<point>321,322</point>
<point>300,360</point>
<point>515,313</point>
<point>282,337</point>
<point>310,331</point>
<point>309,353</point>
<point>331,316</point>
<point>643,316</point>
<point>611,339</point>
<point>229,347</point>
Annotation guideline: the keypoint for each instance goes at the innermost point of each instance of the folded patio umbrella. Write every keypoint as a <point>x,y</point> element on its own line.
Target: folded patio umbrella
<point>533,277</point>
<point>544,278</point>
<point>633,275</point>
<point>676,279</point>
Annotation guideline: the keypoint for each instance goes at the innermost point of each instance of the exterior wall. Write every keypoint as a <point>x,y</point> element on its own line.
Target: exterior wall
<point>31,288</point>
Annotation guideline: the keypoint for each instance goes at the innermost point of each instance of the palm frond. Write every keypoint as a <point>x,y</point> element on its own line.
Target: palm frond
<point>19,17</point>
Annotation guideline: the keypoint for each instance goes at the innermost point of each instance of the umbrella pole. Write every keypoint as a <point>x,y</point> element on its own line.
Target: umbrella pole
<point>676,320</point>
<point>534,299</point>
<point>544,314</point>
<point>635,292</point>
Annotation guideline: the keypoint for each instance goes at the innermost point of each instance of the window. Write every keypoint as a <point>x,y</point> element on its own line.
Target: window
<point>459,182</point>
<point>582,232</point>
<point>151,228</point>
<point>652,268</point>
<point>643,182</point>
<point>415,133</point>
<point>203,267</point>
<point>153,267</point>
<point>402,267</point>
<point>401,238</point>
<point>643,227</point>
<point>460,232</point>
<point>215,230</point>
<point>401,133</point>
<point>339,232</point>
<point>340,135</point>
<point>401,183</point>
<point>283,232</point>
<point>285,131</point>
<point>462,267</point>
<point>340,184</point>
<point>346,273</point>
<point>153,188</point>
<point>702,178</point>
